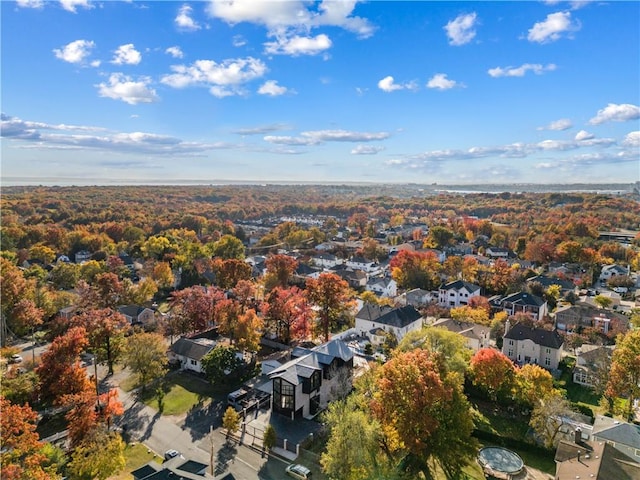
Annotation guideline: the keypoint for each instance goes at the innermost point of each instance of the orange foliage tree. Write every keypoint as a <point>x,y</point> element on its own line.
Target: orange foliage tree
<point>493,372</point>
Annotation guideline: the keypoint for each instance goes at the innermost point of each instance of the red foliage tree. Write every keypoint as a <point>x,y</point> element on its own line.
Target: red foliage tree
<point>288,314</point>
<point>229,272</point>
<point>332,296</point>
<point>492,371</point>
<point>89,412</point>
<point>280,268</point>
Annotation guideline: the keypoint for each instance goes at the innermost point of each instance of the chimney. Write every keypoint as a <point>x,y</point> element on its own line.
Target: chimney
<point>507,326</point>
<point>577,437</point>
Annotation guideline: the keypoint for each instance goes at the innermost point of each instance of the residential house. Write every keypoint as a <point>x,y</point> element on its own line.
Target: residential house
<point>416,297</point>
<point>361,263</point>
<point>591,359</point>
<point>137,314</point>
<point>593,460</point>
<point>326,260</point>
<point>176,468</point>
<point>384,286</point>
<point>523,344</point>
<point>522,302</point>
<point>355,278</point>
<point>304,385</point>
<point>497,252</point>
<point>189,352</point>
<point>623,436</point>
<point>82,256</point>
<point>476,335</point>
<point>570,318</point>
<point>372,319</point>
<point>546,281</point>
<point>457,293</point>
<point>610,271</point>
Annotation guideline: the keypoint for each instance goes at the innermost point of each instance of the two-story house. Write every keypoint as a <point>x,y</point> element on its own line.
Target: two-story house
<point>372,320</point>
<point>524,344</point>
<point>304,385</point>
<point>457,293</point>
<point>623,436</point>
<point>326,260</point>
<point>383,286</point>
<point>361,263</point>
<point>590,360</point>
<point>476,335</point>
<point>571,317</point>
<point>137,314</point>
<point>522,302</point>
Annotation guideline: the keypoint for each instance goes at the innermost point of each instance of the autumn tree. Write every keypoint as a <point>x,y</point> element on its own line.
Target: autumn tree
<point>269,438</point>
<point>550,414</point>
<point>108,291</point>
<point>468,313</point>
<point>229,272</point>
<point>280,269</point>
<point>248,331</point>
<point>416,270</point>
<point>163,275</point>
<point>146,356</point>
<point>231,421</point>
<point>439,236</point>
<point>287,314</point>
<point>531,382</point>
<point>422,406</point>
<point>332,296</point>
<point>98,457</point>
<point>22,455</point>
<point>194,307</point>
<point>493,372</point>
<point>228,247</point>
<point>105,332</point>
<point>27,316</point>
<point>624,377</point>
<point>60,372</point>
<point>90,412</point>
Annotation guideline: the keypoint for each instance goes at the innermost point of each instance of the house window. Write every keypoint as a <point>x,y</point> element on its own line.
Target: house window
<point>548,351</point>
<point>518,357</point>
<point>547,361</point>
<point>510,353</point>
<point>193,362</point>
<point>283,395</point>
<point>510,342</point>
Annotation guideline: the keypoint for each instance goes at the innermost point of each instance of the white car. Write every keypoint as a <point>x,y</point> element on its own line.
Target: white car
<point>15,358</point>
<point>296,470</point>
<point>169,454</point>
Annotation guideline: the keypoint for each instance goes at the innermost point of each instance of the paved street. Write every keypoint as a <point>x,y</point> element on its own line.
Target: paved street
<point>161,433</point>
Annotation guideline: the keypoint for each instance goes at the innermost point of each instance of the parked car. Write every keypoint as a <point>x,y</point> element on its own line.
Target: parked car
<point>15,358</point>
<point>169,454</point>
<point>296,470</point>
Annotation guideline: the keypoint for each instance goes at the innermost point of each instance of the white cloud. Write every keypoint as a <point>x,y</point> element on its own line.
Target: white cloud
<point>297,45</point>
<point>238,41</point>
<point>441,82</point>
<point>632,139</point>
<point>95,63</point>
<point>553,28</point>
<point>298,15</point>
<point>174,51</point>
<point>122,87</point>
<point>583,135</point>
<point>70,5</point>
<point>520,71</point>
<point>271,87</point>
<point>126,55</point>
<point>74,52</point>
<point>616,113</point>
<point>30,3</point>
<point>387,84</point>
<point>366,150</point>
<point>224,79</point>
<point>184,21</point>
<point>261,130</point>
<point>461,30</point>
<point>559,125</point>
<point>315,137</point>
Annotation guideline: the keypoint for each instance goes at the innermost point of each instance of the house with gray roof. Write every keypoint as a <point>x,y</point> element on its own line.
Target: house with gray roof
<point>621,435</point>
<point>399,321</point>
<point>384,286</point>
<point>189,352</point>
<point>476,335</point>
<point>137,314</point>
<point>304,385</point>
<point>522,302</point>
<point>176,468</point>
<point>457,293</point>
<point>524,344</point>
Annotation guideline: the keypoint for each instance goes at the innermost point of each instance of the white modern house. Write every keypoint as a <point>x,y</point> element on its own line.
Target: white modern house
<point>457,293</point>
<point>374,321</point>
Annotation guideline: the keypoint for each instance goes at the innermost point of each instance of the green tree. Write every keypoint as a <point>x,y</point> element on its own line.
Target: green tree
<point>269,438</point>
<point>440,236</point>
<point>228,247</point>
<point>146,355</point>
<point>221,364</point>
<point>602,301</point>
<point>231,421</point>
<point>98,457</point>
<point>345,457</point>
<point>450,346</point>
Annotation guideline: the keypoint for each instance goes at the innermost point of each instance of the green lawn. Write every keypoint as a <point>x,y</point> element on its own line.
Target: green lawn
<point>136,455</point>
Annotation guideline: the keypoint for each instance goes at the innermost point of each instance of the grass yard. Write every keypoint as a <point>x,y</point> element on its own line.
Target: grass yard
<point>136,455</point>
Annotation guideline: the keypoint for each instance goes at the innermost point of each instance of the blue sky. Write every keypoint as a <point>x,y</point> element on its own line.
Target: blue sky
<point>333,91</point>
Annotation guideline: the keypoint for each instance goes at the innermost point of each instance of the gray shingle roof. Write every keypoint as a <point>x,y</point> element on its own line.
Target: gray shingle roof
<point>195,349</point>
<point>459,285</point>
<point>398,317</point>
<point>539,336</point>
<point>523,298</point>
